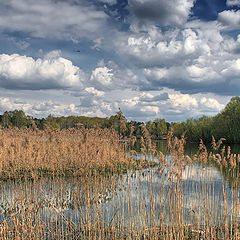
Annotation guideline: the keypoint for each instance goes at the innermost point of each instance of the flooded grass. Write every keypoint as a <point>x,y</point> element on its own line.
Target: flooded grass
<point>182,197</point>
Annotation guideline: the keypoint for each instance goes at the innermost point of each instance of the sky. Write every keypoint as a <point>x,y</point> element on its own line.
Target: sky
<point>171,59</point>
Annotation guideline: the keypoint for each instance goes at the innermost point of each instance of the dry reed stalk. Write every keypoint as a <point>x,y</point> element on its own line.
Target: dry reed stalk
<point>122,121</point>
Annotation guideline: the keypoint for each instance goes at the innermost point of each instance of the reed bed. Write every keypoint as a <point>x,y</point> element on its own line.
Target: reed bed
<point>181,198</point>
<point>66,152</point>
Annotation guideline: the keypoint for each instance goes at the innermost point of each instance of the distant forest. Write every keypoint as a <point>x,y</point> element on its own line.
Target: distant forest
<point>226,124</point>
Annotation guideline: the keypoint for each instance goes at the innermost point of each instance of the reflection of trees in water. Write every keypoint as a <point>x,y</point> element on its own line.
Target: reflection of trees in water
<point>228,163</point>
<point>229,173</point>
<point>161,145</point>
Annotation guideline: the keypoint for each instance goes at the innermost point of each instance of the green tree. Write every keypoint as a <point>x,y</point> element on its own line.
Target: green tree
<point>230,119</point>
<point>51,122</point>
<point>6,119</point>
<point>15,118</point>
<point>160,128</point>
<point>18,118</point>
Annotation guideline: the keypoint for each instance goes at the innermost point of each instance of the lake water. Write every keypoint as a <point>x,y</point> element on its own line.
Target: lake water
<point>205,194</point>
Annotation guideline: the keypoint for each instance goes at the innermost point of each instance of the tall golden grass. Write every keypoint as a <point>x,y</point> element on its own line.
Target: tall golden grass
<point>71,151</point>
<point>146,204</point>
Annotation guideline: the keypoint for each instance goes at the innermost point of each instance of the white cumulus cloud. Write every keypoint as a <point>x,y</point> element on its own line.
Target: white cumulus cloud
<point>94,91</point>
<point>156,73</point>
<point>150,109</point>
<point>230,17</point>
<point>38,108</point>
<point>53,71</point>
<point>7,104</point>
<point>132,102</point>
<point>233,2</point>
<point>232,68</point>
<point>184,101</point>
<point>103,75</point>
<point>194,58</point>
<point>211,103</point>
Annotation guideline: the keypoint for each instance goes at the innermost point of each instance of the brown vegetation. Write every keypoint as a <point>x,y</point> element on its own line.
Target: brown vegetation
<point>102,207</point>
<point>71,151</point>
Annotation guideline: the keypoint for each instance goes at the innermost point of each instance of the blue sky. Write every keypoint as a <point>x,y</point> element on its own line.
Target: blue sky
<point>171,59</point>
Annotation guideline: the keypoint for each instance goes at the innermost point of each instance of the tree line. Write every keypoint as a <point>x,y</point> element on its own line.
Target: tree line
<point>17,118</point>
<point>226,124</point>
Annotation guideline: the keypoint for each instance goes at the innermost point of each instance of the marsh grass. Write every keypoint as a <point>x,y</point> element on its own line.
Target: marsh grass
<point>151,203</point>
<point>76,152</point>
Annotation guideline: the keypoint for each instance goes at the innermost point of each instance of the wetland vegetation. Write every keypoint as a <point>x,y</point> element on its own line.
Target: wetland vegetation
<point>99,183</point>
